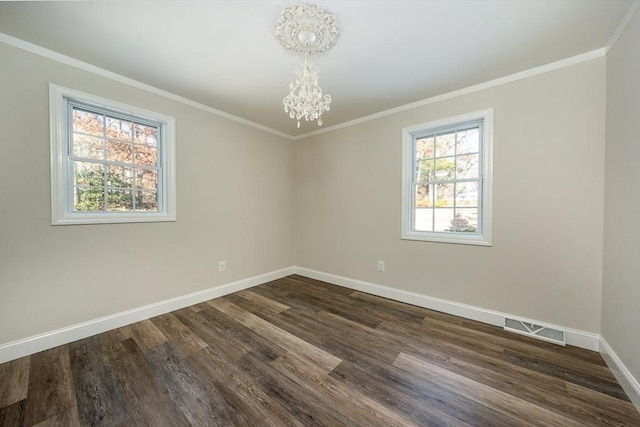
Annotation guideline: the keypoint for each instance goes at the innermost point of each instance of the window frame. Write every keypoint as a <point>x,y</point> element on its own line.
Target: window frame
<point>409,136</point>
<point>61,100</point>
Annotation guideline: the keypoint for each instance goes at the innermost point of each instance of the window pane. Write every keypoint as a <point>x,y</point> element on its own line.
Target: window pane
<point>119,176</point>
<point>444,195</point>
<point>146,155</point>
<point>446,145</point>
<point>469,141</point>
<point>146,201</point>
<point>443,219</point>
<point>87,122</point>
<point>466,220</point>
<point>425,148</point>
<point>85,173</point>
<point>143,134</point>
<point>423,219</point>
<point>424,196</point>
<point>445,169</point>
<point>88,147</point>
<point>88,199</point>
<point>119,129</point>
<point>467,194</point>
<point>119,152</point>
<point>147,179</point>
<point>467,167</point>
<point>425,170</point>
<point>119,200</point>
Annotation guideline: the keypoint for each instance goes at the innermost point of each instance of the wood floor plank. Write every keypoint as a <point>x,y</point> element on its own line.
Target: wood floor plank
<point>14,381</point>
<point>51,389</point>
<point>244,394</point>
<point>362,409</point>
<point>299,352</point>
<point>100,398</point>
<point>273,306</point>
<point>275,334</point>
<point>146,396</point>
<point>424,404</point>
<point>305,404</point>
<point>145,334</point>
<point>13,414</point>
<point>497,399</point>
<point>197,398</point>
<point>569,374</point>
<point>181,337</point>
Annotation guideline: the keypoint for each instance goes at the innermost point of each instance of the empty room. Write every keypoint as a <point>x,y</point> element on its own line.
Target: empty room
<point>363,213</point>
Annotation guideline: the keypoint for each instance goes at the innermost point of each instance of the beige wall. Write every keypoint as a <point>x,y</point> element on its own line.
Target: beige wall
<point>240,190</point>
<point>546,259</point>
<point>234,195</point>
<point>621,279</point>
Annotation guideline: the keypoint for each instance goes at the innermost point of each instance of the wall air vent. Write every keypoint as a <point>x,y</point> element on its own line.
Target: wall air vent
<point>530,329</point>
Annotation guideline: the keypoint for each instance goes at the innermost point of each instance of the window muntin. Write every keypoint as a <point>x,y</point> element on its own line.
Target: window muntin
<point>113,160</point>
<point>447,180</point>
<point>110,162</point>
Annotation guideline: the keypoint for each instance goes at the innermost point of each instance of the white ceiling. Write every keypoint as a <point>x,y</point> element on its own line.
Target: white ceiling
<point>223,53</point>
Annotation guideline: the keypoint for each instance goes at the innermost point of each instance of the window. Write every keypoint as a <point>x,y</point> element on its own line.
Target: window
<point>110,162</point>
<point>446,192</point>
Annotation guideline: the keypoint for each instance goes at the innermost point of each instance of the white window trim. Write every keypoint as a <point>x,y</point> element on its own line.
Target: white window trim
<point>60,187</point>
<point>408,133</point>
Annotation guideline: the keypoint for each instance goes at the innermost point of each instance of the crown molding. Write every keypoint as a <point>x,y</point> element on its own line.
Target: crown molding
<point>67,60</point>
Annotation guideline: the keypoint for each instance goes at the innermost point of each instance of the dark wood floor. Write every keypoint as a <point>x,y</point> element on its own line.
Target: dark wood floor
<point>301,352</point>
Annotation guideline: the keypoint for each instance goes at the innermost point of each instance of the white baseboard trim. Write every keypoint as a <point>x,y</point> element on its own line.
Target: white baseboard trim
<point>629,384</point>
<point>26,346</point>
<point>573,337</point>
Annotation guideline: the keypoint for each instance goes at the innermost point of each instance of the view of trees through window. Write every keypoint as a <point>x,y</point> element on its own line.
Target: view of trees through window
<point>115,163</point>
<point>447,181</point>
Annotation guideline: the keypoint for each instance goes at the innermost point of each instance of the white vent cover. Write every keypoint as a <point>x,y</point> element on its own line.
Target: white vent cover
<point>544,333</point>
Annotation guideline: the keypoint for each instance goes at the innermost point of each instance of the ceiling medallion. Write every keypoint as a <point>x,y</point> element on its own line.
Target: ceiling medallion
<point>309,30</point>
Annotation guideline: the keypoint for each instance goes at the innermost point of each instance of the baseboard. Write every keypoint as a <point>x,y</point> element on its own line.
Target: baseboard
<point>629,384</point>
<point>573,337</point>
<point>24,347</point>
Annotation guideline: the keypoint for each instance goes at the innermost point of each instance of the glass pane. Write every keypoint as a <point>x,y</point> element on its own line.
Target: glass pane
<point>147,179</point>
<point>424,196</point>
<point>424,170</point>
<point>85,173</point>
<point>147,201</point>
<point>119,200</point>
<point>89,147</point>
<point>145,135</point>
<point>469,141</point>
<point>423,219</point>
<point>119,152</point>
<point>87,122</point>
<point>467,194</point>
<point>446,145</point>
<point>88,199</point>
<point>443,219</point>
<point>468,167</point>
<point>425,148</point>
<point>466,220</point>
<point>445,169</point>
<point>119,176</point>
<point>444,195</point>
<point>146,155</point>
<point>119,129</point>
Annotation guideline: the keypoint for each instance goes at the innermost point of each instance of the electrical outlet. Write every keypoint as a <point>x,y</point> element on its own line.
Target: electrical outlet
<point>222,266</point>
<point>380,265</point>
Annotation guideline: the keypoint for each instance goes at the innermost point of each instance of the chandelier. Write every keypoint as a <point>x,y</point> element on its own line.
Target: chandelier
<point>309,30</point>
